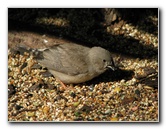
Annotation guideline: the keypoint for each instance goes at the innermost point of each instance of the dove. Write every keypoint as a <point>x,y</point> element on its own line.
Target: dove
<point>72,63</point>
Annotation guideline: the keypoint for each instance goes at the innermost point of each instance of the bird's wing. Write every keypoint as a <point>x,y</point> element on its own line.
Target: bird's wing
<point>66,58</point>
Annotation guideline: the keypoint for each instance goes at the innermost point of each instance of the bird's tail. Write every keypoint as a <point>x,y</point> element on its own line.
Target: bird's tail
<point>37,53</point>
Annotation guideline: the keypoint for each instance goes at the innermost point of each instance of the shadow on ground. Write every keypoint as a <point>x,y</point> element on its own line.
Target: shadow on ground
<point>87,27</point>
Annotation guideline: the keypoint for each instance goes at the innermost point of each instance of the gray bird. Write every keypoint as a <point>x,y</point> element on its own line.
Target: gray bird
<point>73,63</point>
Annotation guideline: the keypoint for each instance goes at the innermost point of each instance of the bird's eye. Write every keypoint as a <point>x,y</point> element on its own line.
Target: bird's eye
<point>104,60</point>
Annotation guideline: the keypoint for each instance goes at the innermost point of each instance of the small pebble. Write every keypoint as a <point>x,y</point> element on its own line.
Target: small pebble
<point>108,111</point>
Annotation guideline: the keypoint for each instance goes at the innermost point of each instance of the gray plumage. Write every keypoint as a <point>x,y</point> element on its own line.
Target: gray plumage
<point>72,63</point>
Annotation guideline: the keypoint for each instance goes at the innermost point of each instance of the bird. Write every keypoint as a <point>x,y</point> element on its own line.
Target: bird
<point>73,63</point>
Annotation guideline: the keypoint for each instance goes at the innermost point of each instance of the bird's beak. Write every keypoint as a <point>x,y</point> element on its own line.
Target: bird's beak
<point>111,67</point>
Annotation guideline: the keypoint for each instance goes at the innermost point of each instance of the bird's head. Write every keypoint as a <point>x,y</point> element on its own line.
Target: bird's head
<point>101,59</point>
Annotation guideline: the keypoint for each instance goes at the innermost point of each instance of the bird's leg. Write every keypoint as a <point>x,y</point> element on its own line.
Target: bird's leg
<point>62,84</point>
<point>64,87</point>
